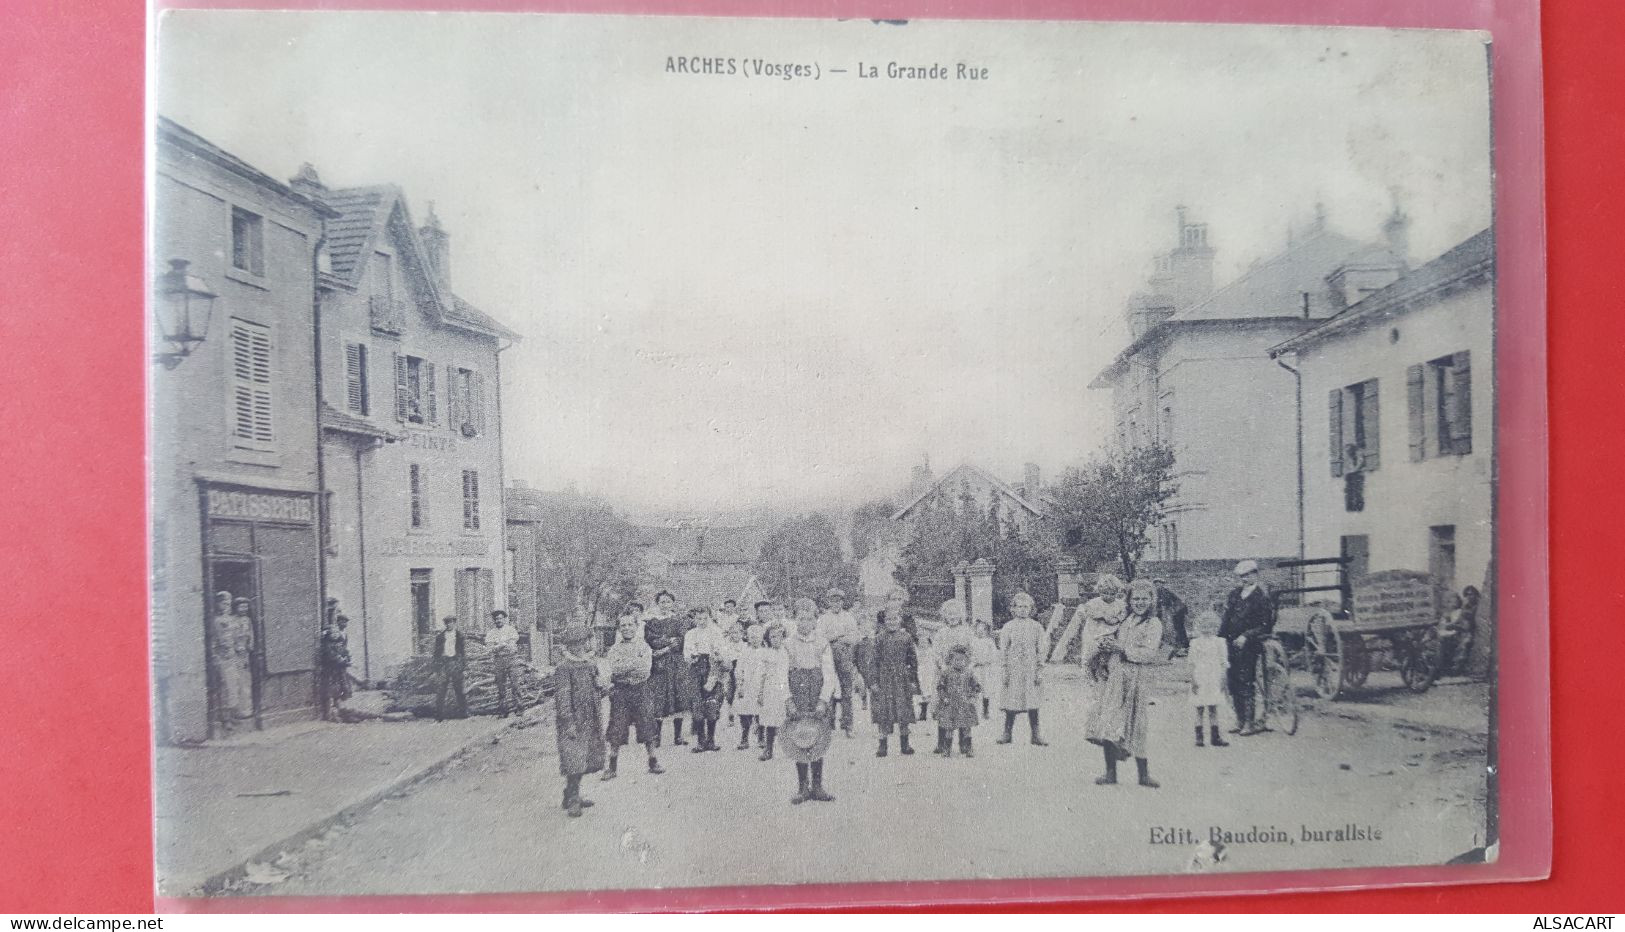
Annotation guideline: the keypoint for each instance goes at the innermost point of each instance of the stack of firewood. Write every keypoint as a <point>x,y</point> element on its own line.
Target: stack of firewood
<point>416,686</point>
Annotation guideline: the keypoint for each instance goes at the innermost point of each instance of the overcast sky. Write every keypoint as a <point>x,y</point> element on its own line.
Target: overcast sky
<point>739,291</point>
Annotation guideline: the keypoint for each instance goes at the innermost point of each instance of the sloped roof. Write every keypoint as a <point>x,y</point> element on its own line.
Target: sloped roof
<point>174,134</point>
<point>363,216</point>
<point>1004,488</point>
<point>1275,286</point>
<point>1469,262</point>
<point>345,423</point>
<point>1271,291</point>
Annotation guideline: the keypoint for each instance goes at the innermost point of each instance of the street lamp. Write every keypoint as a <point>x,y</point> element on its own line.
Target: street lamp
<point>184,307</point>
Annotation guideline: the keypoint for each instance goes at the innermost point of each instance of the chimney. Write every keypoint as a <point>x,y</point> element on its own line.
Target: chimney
<point>437,243</point>
<point>1030,480</point>
<point>1396,232</point>
<point>1190,264</point>
<point>920,480</point>
<point>308,183</point>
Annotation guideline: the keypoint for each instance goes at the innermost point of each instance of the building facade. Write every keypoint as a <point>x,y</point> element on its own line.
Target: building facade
<point>1197,378</point>
<point>234,463</point>
<point>412,431</point>
<point>1399,423</point>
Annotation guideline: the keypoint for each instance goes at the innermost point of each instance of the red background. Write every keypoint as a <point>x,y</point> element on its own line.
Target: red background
<point>74,798</point>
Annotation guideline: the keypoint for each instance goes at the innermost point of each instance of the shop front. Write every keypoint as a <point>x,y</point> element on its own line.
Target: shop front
<point>261,566</point>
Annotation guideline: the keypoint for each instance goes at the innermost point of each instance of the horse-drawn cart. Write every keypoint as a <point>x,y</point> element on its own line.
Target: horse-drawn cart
<point>1390,615</point>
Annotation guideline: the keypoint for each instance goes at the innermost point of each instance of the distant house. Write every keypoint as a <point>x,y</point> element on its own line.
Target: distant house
<point>1197,377</point>
<point>703,565</point>
<point>1022,503</point>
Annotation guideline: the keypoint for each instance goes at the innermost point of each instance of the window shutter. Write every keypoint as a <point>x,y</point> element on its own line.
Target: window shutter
<point>431,415</point>
<point>454,401</point>
<point>352,377</point>
<point>251,383</point>
<point>1462,421</point>
<point>1334,420</point>
<point>401,394</point>
<point>477,401</point>
<point>1433,431</point>
<point>1373,429</point>
<point>1413,412</point>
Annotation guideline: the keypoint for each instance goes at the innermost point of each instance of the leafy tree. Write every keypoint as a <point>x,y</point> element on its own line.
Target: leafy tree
<point>1106,509</point>
<point>953,528</point>
<point>873,528</point>
<point>802,557</point>
<point>594,552</point>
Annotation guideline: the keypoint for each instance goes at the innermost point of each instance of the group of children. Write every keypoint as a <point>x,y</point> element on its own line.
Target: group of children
<point>776,674</point>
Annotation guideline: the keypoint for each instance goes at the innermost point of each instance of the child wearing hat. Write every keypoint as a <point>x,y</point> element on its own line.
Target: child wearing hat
<point>957,691</point>
<point>580,731</point>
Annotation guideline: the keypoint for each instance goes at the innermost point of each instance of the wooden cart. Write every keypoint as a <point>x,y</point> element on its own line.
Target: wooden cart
<point>1391,615</point>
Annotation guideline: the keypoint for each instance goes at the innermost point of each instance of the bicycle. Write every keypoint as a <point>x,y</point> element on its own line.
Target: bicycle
<point>1275,696</point>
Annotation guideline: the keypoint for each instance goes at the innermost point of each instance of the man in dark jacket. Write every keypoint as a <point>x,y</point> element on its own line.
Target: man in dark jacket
<point>450,659</point>
<point>1248,619</point>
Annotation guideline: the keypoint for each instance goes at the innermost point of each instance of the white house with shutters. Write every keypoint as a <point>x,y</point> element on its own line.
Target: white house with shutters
<point>1399,454</point>
<point>1197,377</point>
<point>412,431</point>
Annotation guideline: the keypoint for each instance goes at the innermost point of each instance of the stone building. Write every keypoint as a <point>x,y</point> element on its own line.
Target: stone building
<point>234,466</point>
<point>1399,422</point>
<point>412,430</point>
<point>1197,377</point>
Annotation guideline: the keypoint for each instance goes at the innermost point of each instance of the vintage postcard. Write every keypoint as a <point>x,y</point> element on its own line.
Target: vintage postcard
<point>600,453</point>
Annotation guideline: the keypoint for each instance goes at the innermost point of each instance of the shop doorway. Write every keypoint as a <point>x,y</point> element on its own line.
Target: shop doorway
<point>235,671</point>
<point>423,625</point>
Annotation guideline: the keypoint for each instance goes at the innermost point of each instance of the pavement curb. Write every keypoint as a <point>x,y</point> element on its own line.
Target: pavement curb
<point>212,885</point>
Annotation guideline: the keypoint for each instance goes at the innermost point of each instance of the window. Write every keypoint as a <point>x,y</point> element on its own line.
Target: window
<point>471,500</point>
<point>251,390</point>
<point>416,480</point>
<point>1355,442</point>
<point>474,590</point>
<point>1168,541</point>
<point>466,404</point>
<point>414,390</point>
<point>247,241</point>
<point>1440,396</point>
<point>355,378</point>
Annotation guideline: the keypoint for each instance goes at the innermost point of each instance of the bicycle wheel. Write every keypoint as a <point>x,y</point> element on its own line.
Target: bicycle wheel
<point>1275,677</point>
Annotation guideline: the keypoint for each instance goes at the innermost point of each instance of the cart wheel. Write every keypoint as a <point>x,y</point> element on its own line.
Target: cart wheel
<point>1356,661</point>
<point>1421,665</point>
<point>1325,654</point>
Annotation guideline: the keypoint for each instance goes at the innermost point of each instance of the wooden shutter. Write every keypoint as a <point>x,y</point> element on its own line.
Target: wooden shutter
<point>402,393</point>
<point>1461,420</point>
<point>251,383</point>
<point>474,498</point>
<point>476,400</point>
<point>1373,429</point>
<point>1414,377</point>
<point>427,383</point>
<point>354,386</point>
<point>1334,421</point>
<point>455,414</point>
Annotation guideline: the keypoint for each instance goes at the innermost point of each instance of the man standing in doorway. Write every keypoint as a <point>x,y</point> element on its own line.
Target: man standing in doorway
<point>241,640</point>
<point>451,659</point>
<point>1248,618</point>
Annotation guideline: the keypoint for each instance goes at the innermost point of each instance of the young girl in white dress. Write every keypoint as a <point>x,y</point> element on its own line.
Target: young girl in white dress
<point>1210,659</point>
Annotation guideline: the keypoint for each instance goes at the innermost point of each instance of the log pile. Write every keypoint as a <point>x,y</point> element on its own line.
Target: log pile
<point>416,686</point>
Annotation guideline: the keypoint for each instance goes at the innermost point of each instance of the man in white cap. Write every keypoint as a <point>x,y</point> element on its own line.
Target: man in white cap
<point>1248,618</point>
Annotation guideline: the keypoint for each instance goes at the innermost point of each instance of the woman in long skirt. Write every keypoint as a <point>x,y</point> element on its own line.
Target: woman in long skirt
<point>1120,661</point>
<point>668,675</point>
